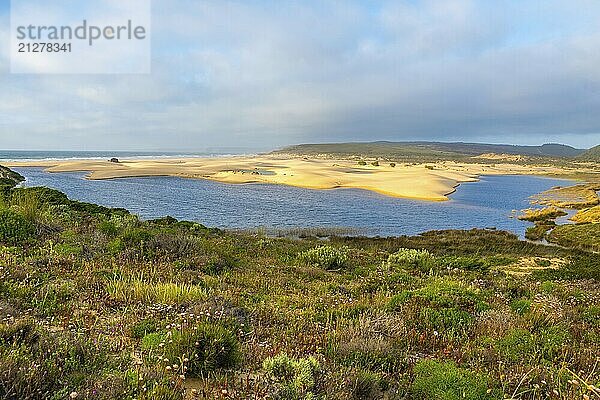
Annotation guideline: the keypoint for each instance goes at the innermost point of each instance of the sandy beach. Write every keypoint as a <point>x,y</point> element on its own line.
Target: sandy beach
<point>432,181</point>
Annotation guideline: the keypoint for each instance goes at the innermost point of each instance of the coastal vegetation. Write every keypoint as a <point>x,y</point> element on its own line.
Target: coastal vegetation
<point>431,151</point>
<point>542,214</point>
<point>577,197</point>
<point>98,304</point>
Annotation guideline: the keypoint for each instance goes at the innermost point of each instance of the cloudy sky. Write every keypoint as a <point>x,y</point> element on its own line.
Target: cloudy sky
<point>261,74</point>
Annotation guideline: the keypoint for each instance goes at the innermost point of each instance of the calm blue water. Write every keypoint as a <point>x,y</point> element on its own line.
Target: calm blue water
<point>483,204</point>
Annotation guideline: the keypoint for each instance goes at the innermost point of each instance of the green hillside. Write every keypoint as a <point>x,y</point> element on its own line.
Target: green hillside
<point>591,154</point>
<point>430,149</point>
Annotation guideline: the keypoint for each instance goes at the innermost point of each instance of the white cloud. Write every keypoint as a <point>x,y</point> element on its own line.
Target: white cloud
<point>263,74</point>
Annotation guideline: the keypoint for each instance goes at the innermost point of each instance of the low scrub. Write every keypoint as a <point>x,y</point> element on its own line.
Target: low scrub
<point>296,376</point>
<point>543,214</point>
<point>446,381</point>
<point>326,257</point>
<point>14,227</point>
<point>410,258</point>
<point>197,350</point>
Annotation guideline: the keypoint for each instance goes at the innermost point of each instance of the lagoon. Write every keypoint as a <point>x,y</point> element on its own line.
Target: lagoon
<point>488,203</point>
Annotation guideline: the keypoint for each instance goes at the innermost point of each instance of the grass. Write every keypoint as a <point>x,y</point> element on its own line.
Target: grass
<point>577,196</point>
<point>585,236</point>
<point>543,214</point>
<point>590,215</point>
<point>108,306</point>
<point>135,290</point>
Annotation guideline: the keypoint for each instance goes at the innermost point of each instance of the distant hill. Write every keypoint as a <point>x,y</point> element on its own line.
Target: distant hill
<point>591,154</point>
<point>431,149</point>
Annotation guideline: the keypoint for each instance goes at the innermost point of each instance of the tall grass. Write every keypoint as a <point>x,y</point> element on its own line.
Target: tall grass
<point>135,290</point>
<point>30,205</point>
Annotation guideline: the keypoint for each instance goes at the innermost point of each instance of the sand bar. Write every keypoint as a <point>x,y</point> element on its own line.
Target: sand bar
<point>433,182</point>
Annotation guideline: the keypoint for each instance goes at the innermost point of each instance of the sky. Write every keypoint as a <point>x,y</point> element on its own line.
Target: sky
<point>261,74</point>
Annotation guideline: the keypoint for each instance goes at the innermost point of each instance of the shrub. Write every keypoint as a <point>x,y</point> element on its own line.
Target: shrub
<point>326,257</point>
<point>591,315</point>
<point>521,306</point>
<point>392,165</point>
<point>208,347</point>
<point>442,294</point>
<point>375,163</point>
<point>108,228</point>
<point>443,306</point>
<point>135,236</point>
<point>467,263</point>
<point>152,341</point>
<point>446,381</point>
<point>14,227</point>
<point>219,264</point>
<point>30,205</point>
<point>297,376</point>
<point>37,365</point>
<point>365,385</point>
<point>537,232</point>
<point>361,162</point>
<point>411,258</point>
<point>521,345</point>
<point>143,327</point>
<point>451,322</point>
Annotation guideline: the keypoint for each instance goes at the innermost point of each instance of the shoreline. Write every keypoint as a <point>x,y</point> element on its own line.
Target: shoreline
<point>419,181</point>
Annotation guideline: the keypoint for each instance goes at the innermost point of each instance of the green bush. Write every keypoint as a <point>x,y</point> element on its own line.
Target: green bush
<point>35,364</point>
<point>411,258</point>
<point>208,347</point>
<point>591,315</point>
<point>326,257</point>
<point>135,236</point>
<point>520,345</point>
<point>442,293</point>
<point>365,385</point>
<point>361,162</point>
<point>297,375</point>
<point>152,341</point>
<point>453,323</point>
<point>521,306</point>
<point>15,228</point>
<point>466,263</point>
<point>144,327</point>
<point>115,246</point>
<point>446,381</point>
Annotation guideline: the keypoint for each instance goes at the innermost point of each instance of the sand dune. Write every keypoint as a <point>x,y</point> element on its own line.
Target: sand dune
<point>432,182</point>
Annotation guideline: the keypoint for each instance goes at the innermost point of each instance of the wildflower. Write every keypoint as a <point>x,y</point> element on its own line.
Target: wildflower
<point>74,395</point>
